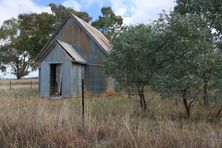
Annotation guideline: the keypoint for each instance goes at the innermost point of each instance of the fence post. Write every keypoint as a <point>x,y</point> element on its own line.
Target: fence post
<point>83,103</point>
<point>31,84</point>
<point>10,84</point>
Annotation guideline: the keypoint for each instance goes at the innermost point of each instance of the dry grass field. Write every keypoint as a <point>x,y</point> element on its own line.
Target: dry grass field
<point>113,122</point>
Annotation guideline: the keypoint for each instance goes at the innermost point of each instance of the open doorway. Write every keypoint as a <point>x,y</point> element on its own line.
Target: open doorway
<point>55,80</point>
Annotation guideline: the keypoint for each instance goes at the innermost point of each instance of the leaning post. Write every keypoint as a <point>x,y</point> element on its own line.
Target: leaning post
<point>31,84</point>
<point>10,84</point>
<point>83,103</point>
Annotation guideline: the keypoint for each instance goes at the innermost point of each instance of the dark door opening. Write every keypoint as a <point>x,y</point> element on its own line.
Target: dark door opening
<point>55,80</point>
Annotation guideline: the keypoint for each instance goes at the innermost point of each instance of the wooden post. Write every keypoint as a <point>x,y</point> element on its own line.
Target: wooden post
<point>83,103</point>
<point>31,84</point>
<point>10,84</point>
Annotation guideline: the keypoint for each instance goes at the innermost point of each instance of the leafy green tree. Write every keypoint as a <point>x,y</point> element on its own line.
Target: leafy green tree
<point>12,53</point>
<point>35,30</point>
<point>131,61</point>
<point>2,65</point>
<point>108,23</point>
<point>61,12</point>
<point>216,79</point>
<point>210,11</point>
<point>181,43</point>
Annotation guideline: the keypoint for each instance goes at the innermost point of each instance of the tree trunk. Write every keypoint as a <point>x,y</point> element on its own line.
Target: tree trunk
<point>144,102</point>
<point>186,104</point>
<point>142,98</point>
<point>205,89</point>
<point>18,76</point>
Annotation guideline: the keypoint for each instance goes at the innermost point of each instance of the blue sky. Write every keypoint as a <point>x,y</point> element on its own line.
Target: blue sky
<point>132,11</point>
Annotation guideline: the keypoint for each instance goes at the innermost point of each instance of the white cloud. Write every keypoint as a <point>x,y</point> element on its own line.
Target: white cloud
<point>11,8</point>
<point>73,4</point>
<point>141,11</point>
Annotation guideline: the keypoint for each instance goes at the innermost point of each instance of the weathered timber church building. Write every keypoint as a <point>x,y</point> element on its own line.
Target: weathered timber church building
<point>75,51</point>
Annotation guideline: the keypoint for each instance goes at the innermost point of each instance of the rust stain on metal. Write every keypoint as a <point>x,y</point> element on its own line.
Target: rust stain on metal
<point>66,34</point>
<point>75,35</point>
<point>101,61</point>
<point>99,37</point>
<point>84,39</point>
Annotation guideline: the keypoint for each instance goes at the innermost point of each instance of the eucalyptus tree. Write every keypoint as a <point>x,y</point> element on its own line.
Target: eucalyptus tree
<point>211,12</point>
<point>11,52</point>
<point>108,23</point>
<point>181,42</point>
<point>131,61</point>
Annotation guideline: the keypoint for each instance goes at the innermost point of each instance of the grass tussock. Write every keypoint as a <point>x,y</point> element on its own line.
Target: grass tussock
<point>115,121</point>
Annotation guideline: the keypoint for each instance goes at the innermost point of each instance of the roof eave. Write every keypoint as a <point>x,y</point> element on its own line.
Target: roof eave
<point>73,59</point>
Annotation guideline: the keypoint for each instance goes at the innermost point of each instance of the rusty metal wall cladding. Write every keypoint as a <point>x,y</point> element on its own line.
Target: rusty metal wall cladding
<point>44,79</point>
<point>75,35</point>
<point>84,39</point>
<point>66,34</point>
<point>95,79</point>
<point>56,56</point>
<point>100,60</point>
<point>72,33</point>
<point>95,56</point>
<point>77,76</point>
<point>60,35</point>
<point>101,57</point>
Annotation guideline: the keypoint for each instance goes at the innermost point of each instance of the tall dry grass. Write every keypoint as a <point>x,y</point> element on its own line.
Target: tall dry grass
<point>28,121</point>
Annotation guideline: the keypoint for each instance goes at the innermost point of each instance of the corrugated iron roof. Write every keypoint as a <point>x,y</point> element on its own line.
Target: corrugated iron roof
<point>97,35</point>
<point>72,52</point>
